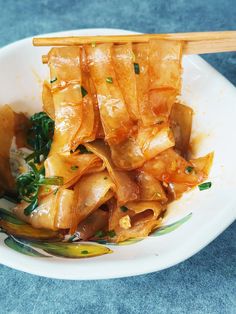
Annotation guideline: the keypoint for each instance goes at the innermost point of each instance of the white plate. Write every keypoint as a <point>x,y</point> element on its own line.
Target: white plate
<point>213,99</point>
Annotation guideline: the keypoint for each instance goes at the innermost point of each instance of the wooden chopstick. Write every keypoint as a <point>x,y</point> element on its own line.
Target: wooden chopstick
<point>194,43</point>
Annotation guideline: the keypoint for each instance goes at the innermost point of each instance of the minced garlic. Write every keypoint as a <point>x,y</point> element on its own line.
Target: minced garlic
<point>125,222</point>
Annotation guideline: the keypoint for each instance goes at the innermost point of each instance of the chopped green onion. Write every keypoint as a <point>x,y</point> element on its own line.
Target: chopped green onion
<point>111,233</point>
<point>136,68</point>
<point>124,209</point>
<point>100,234</point>
<point>53,80</point>
<point>83,149</point>
<point>84,252</point>
<point>32,206</point>
<point>93,45</point>
<point>205,186</point>
<point>28,185</point>
<point>55,192</point>
<point>109,80</point>
<point>74,167</point>
<point>189,169</point>
<point>40,136</point>
<point>47,189</point>
<point>51,181</point>
<point>83,91</point>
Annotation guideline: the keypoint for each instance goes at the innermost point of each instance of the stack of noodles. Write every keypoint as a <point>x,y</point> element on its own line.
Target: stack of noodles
<point>120,103</point>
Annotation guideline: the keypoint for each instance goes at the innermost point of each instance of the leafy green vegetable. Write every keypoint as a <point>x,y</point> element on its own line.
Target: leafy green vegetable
<point>28,185</point>
<point>74,167</point>
<point>205,186</point>
<point>40,136</point>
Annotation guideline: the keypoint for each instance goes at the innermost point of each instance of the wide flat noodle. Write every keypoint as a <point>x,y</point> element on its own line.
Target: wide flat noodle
<point>64,208</point>
<point>123,59</point>
<point>141,53</point>
<point>127,155</point>
<point>91,192</point>
<point>113,112</point>
<point>86,132</point>
<point>160,64</point>
<point>65,70</point>
<point>6,137</point>
<point>13,125</point>
<point>154,140</point>
<point>53,212</point>
<point>139,219</point>
<point>126,188</point>
<point>97,221</point>
<point>72,167</point>
<point>170,167</point>
<point>181,124</point>
<point>165,77</point>
<point>150,188</point>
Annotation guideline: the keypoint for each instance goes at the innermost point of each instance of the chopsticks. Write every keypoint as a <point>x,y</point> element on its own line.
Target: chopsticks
<point>194,43</point>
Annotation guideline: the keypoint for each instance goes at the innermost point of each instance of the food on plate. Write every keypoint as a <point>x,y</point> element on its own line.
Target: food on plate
<point>109,151</point>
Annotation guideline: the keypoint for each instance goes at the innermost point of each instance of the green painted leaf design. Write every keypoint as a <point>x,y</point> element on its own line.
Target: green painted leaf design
<point>7,215</point>
<point>128,242</point>
<point>21,247</point>
<point>26,231</point>
<point>160,231</point>
<point>169,228</point>
<point>72,250</point>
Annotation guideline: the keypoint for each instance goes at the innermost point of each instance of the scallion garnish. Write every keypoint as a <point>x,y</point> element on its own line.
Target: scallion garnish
<point>111,233</point>
<point>83,91</point>
<point>109,80</point>
<point>124,209</point>
<point>93,44</point>
<point>188,169</point>
<point>40,136</point>
<point>100,234</point>
<point>74,167</point>
<point>83,149</point>
<point>205,186</point>
<point>28,185</point>
<point>136,68</point>
<point>53,80</point>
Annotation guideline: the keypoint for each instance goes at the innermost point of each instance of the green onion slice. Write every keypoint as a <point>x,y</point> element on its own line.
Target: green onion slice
<point>205,186</point>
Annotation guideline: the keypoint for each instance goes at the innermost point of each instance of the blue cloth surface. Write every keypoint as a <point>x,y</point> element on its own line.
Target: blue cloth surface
<point>206,283</point>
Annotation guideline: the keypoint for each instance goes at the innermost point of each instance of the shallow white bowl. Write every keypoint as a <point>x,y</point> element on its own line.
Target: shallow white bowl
<point>213,99</point>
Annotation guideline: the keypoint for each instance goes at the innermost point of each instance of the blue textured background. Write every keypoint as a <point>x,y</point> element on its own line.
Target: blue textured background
<point>206,283</point>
